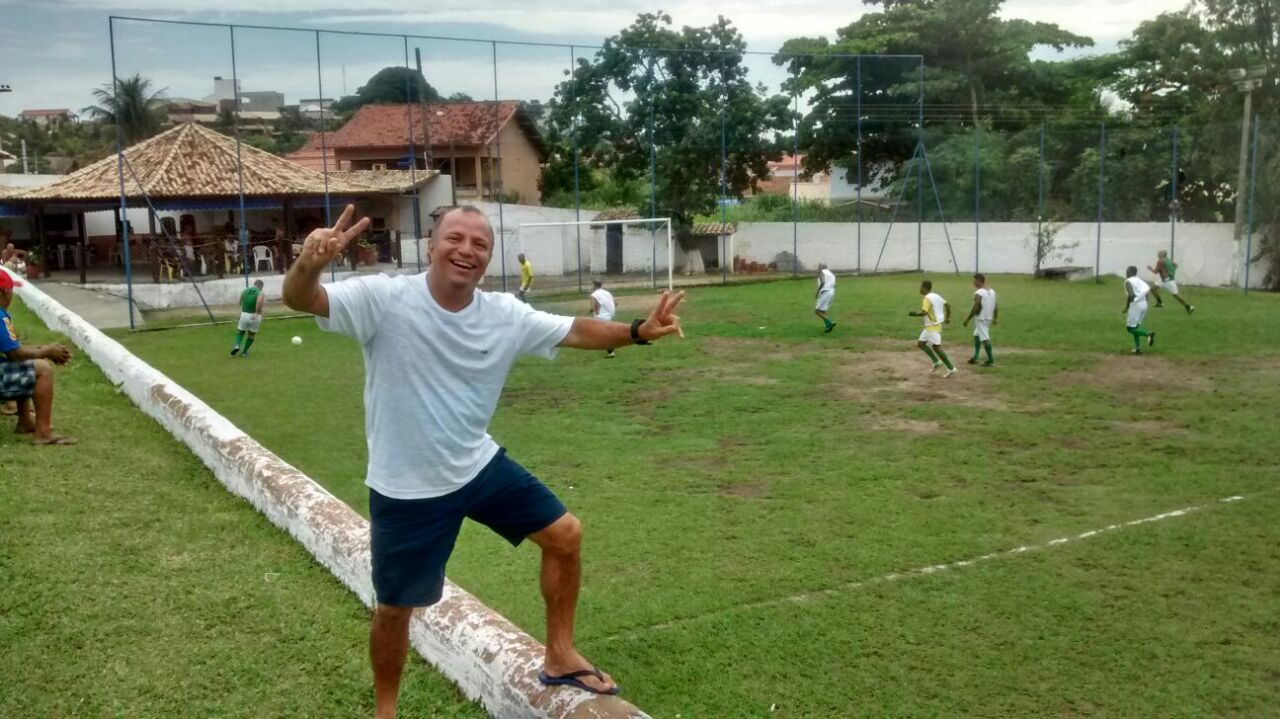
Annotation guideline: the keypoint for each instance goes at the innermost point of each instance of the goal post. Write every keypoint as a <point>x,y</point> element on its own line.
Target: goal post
<point>566,245</point>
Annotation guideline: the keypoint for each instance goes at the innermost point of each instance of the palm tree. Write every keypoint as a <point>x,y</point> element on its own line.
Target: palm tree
<point>132,104</point>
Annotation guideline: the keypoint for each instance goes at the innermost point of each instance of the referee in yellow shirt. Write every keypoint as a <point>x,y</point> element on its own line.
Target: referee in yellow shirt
<point>526,277</point>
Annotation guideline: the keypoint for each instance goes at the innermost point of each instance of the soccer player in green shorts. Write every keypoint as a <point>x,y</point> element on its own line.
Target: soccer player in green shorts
<point>251,302</point>
<point>984,313</point>
<point>1167,270</point>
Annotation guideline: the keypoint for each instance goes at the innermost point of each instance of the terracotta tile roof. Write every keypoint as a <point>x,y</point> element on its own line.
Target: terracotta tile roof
<point>390,181</point>
<point>617,213</point>
<point>459,123</point>
<point>194,161</point>
<point>787,162</point>
<point>713,228</point>
<point>311,156</point>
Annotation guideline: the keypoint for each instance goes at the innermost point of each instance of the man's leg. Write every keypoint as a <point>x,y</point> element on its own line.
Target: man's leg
<point>1184,303</point>
<point>1155,294</point>
<point>977,348</point>
<point>26,417</point>
<point>1138,333</point>
<point>235,348</point>
<point>561,545</point>
<point>43,400</point>
<point>924,347</point>
<point>986,344</point>
<point>388,647</point>
<point>943,355</point>
<point>248,343</point>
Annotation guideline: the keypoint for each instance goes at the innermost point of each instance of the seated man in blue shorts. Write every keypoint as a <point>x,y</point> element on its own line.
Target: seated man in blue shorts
<point>437,351</point>
<point>26,374</point>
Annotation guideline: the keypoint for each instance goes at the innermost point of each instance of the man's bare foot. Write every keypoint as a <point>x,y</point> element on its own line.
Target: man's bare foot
<point>53,439</point>
<point>556,667</point>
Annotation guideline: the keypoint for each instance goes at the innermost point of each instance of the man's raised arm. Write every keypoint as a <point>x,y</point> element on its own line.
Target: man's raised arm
<point>302,290</point>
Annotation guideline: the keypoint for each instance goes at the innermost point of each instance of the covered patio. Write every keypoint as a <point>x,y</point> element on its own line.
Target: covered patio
<point>196,206</point>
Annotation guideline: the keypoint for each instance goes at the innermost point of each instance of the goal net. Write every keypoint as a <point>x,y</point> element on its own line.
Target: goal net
<point>634,252</point>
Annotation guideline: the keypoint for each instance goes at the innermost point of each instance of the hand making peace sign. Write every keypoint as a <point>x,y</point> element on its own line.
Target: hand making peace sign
<point>663,321</point>
<point>325,244</point>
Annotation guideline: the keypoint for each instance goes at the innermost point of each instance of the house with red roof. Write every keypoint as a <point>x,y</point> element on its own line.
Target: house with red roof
<point>487,148</point>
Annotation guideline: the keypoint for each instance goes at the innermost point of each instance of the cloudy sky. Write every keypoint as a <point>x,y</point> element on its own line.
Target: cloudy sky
<point>53,53</point>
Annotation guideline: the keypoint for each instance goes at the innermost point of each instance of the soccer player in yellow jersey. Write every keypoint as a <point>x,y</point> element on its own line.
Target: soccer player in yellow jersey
<point>936,312</point>
<point>526,277</point>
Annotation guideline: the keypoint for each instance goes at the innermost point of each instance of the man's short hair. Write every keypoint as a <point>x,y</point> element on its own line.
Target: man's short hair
<point>980,277</point>
<point>258,284</point>
<point>467,210</point>
<point>1131,271</point>
<point>928,285</point>
<point>1162,253</point>
<point>597,284</point>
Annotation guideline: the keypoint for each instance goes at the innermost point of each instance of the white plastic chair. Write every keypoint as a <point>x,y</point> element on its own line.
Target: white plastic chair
<point>262,254</point>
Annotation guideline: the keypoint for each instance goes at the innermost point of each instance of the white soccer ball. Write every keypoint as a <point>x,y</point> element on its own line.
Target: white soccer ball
<point>296,340</point>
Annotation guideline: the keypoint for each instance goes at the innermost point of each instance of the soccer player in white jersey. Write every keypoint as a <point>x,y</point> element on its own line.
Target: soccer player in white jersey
<point>1135,309</point>
<point>826,293</point>
<point>602,306</point>
<point>437,350</point>
<point>984,314</point>
<point>936,312</point>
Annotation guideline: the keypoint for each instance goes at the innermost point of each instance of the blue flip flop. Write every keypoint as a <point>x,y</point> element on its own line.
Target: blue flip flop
<point>572,680</point>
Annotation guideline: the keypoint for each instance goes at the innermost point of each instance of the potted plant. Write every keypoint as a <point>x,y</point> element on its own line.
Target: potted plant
<point>34,264</point>
<point>367,251</point>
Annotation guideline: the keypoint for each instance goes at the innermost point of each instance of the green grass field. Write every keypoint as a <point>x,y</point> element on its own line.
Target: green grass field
<point>738,485</point>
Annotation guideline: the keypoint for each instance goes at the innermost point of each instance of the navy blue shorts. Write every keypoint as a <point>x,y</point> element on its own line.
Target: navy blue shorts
<point>413,538</point>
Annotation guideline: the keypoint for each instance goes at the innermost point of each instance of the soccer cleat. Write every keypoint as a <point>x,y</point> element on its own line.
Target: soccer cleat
<point>1151,339</point>
<point>1135,351</point>
<point>1159,305</point>
<point>973,360</point>
<point>988,363</point>
<point>949,372</point>
<point>1191,308</point>
<point>831,326</point>
<point>935,367</point>
<point>235,350</point>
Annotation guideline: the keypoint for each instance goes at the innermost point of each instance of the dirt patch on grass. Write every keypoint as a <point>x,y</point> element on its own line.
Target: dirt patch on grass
<point>1132,373</point>
<point>903,424</point>
<point>756,350</point>
<point>1149,426</point>
<point>745,490</point>
<point>905,373</point>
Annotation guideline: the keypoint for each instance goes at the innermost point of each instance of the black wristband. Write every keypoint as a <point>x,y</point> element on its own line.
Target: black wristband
<point>635,333</point>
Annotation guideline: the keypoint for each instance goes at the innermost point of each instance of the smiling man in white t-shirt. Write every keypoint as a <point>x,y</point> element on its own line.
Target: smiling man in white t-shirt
<point>437,351</point>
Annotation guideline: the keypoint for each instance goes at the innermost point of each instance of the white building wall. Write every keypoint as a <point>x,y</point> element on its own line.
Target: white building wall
<point>1206,252</point>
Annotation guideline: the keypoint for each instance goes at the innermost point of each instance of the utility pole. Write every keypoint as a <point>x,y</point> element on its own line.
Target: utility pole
<point>1246,80</point>
<point>25,171</point>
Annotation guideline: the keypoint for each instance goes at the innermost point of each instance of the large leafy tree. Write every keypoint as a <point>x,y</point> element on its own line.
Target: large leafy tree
<point>655,88</point>
<point>132,104</point>
<point>389,85</point>
<point>978,68</point>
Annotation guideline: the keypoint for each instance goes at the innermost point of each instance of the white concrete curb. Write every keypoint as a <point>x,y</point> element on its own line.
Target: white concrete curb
<point>488,657</point>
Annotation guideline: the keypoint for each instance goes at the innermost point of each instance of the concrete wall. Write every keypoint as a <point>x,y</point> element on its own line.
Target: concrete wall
<point>1206,252</point>
<point>488,657</point>
<point>520,167</point>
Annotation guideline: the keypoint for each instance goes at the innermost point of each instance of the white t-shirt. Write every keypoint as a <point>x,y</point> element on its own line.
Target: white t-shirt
<point>939,306</point>
<point>987,310</point>
<point>433,377</point>
<point>604,298</point>
<point>826,281</point>
<point>1140,288</point>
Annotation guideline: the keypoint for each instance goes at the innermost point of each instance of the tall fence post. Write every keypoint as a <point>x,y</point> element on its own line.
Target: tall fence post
<point>795,177</point>
<point>413,153</point>
<point>1174,204</point>
<point>1040,198</point>
<point>977,195</point>
<point>245,257</point>
<point>324,161</point>
<point>653,182</point>
<point>724,189</point>
<point>124,206</point>
<point>497,167</point>
<point>920,177</point>
<point>1253,186</point>
<point>857,207</point>
<point>573,136</point>
<point>1102,177</point>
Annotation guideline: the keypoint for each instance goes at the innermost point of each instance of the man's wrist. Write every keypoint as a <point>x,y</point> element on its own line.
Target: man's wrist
<point>635,332</point>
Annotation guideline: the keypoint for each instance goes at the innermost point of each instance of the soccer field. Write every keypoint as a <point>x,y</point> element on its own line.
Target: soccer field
<point>766,506</point>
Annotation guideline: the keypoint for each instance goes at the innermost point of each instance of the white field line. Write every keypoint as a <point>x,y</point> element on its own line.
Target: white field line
<point>922,571</point>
